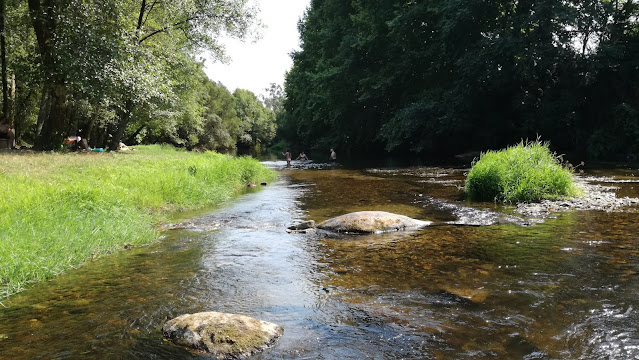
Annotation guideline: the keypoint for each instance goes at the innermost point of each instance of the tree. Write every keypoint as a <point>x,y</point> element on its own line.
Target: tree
<point>44,16</point>
<point>222,126</point>
<point>275,98</point>
<point>121,53</point>
<point>3,57</point>
<point>189,26</point>
<point>23,69</point>
<point>419,76</point>
<point>319,90</point>
<point>257,122</point>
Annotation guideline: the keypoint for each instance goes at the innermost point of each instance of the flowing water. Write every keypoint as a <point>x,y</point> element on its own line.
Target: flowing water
<point>562,289</point>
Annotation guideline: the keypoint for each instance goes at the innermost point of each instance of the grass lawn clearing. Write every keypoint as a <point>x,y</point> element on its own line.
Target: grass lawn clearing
<point>59,210</point>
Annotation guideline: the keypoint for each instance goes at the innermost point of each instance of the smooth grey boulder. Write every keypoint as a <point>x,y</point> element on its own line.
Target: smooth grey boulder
<point>372,222</point>
<point>225,336</point>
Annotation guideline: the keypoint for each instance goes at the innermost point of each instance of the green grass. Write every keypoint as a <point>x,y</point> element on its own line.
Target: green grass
<point>60,210</point>
<point>527,172</point>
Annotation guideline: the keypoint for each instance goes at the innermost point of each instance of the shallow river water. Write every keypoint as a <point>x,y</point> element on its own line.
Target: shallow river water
<point>562,289</point>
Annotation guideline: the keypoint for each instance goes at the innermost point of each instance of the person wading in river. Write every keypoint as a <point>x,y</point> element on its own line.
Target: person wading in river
<point>333,156</point>
<point>287,155</point>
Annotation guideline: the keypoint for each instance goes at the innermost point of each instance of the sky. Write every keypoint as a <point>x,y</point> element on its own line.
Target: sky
<point>255,65</point>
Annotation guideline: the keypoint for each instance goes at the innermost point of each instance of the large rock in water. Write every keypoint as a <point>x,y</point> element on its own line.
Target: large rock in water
<point>372,222</point>
<point>225,336</point>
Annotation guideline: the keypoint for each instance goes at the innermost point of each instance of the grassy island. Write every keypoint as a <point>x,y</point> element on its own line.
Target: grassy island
<point>60,210</point>
<point>527,172</point>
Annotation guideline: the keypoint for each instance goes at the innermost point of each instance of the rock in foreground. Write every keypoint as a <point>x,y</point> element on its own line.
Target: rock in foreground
<point>372,222</point>
<point>225,336</point>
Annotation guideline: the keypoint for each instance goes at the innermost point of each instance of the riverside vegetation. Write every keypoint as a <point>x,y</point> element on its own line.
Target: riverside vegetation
<point>439,78</point>
<point>527,172</point>
<point>60,210</point>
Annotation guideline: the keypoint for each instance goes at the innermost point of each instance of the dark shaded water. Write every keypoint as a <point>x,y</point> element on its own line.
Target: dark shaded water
<point>564,289</point>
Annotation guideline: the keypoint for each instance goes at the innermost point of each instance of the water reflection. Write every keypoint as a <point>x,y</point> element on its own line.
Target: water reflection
<point>491,292</point>
<point>563,289</point>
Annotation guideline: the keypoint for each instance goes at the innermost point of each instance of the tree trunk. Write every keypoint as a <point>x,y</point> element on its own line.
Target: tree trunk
<point>131,138</point>
<point>92,122</point>
<point>74,123</point>
<point>101,133</point>
<point>51,118</point>
<point>584,46</point>
<point>122,124</point>
<point>12,101</point>
<point>44,109</point>
<point>3,54</point>
<point>129,105</point>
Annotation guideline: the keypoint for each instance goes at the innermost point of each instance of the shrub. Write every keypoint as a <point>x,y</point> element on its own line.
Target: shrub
<point>527,172</point>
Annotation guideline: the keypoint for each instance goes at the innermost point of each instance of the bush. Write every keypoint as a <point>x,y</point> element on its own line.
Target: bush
<point>527,172</point>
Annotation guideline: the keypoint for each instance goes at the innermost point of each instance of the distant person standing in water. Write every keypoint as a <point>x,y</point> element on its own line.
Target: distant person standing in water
<point>333,156</point>
<point>287,155</point>
<point>302,157</point>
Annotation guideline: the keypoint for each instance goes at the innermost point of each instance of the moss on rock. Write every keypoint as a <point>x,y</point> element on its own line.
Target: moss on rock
<point>226,336</point>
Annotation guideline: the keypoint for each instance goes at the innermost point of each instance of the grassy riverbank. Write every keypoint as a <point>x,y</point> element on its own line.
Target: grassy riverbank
<point>59,210</point>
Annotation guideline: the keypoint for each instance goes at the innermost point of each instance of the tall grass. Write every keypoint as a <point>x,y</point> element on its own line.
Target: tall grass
<point>59,210</point>
<point>527,172</point>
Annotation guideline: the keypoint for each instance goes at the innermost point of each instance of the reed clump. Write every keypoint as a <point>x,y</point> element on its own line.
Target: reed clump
<point>59,210</point>
<point>526,172</point>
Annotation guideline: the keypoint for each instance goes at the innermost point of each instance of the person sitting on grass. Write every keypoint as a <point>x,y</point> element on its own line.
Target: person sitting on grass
<point>6,132</point>
<point>122,147</point>
<point>75,143</point>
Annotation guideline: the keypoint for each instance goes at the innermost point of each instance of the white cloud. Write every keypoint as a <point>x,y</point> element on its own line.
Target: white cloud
<point>255,65</point>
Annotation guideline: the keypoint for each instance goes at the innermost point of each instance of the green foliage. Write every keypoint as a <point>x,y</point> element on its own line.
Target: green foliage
<point>64,209</point>
<point>275,98</point>
<point>134,62</point>
<point>258,122</point>
<point>418,76</point>
<point>222,127</point>
<point>527,172</point>
<point>279,147</point>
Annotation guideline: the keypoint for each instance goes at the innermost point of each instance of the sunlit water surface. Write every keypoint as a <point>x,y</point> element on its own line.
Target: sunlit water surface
<point>563,289</point>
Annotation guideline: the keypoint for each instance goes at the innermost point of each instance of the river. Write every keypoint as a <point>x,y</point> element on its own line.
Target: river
<point>562,289</point>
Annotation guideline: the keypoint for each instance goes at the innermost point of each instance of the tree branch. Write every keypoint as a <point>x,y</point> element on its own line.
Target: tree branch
<point>188,38</point>
<point>150,9</point>
<point>166,28</point>
<point>141,16</point>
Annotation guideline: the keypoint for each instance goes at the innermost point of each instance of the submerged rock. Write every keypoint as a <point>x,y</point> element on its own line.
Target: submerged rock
<point>225,336</point>
<point>472,294</point>
<point>303,225</point>
<point>470,216</point>
<point>372,222</point>
<point>475,217</point>
<point>189,225</point>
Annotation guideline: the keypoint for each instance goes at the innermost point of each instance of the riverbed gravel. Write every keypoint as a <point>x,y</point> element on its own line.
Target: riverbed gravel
<point>595,197</point>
